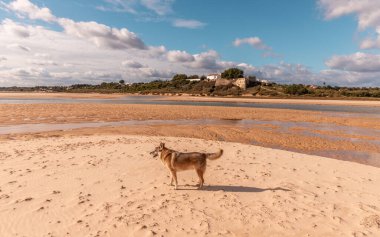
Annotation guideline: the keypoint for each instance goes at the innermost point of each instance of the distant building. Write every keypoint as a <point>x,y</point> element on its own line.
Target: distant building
<point>214,76</point>
<point>313,86</point>
<point>265,82</point>
<point>193,79</point>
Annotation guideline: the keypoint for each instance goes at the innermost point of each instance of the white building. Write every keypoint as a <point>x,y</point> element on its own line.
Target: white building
<point>265,82</point>
<point>213,76</point>
<point>194,79</point>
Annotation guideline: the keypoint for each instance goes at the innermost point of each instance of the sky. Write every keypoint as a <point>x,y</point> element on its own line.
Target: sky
<point>51,42</point>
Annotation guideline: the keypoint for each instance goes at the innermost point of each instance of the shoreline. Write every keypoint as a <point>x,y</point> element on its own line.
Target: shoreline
<point>184,97</point>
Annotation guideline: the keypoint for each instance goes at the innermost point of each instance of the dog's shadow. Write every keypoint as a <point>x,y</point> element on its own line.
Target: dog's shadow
<point>238,189</point>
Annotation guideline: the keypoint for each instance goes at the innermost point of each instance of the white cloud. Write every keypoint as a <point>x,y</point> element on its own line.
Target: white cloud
<point>102,35</point>
<point>179,56</point>
<point>42,62</point>
<point>161,7</point>
<point>132,64</point>
<point>367,12</point>
<point>26,8</point>
<point>207,60</point>
<point>18,30</point>
<point>190,24</point>
<point>18,46</point>
<point>119,6</point>
<point>99,34</point>
<point>255,42</point>
<point>358,62</point>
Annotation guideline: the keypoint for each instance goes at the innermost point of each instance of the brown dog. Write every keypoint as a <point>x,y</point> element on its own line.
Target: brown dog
<point>178,161</point>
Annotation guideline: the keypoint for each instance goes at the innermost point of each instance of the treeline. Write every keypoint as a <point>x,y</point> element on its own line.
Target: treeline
<point>300,90</point>
<point>175,86</point>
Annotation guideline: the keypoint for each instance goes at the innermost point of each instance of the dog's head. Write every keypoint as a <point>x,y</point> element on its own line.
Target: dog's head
<point>157,149</point>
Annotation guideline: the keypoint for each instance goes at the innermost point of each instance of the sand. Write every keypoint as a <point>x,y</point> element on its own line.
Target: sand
<point>300,100</point>
<point>186,97</point>
<point>309,136</point>
<point>109,185</point>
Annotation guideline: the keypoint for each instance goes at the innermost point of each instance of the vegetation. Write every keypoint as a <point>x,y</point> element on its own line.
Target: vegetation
<point>179,84</point>
<point>233,73</point>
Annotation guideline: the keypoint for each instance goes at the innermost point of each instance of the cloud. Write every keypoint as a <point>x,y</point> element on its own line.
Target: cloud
<point>190,24</point>
<point>2,58</point>
<point>119,6</point>
<point>16,29</point>
<point>255,42</point>
<point>161,7</point>
<point>18,46</point>
<point>26,8</point>
<point>358,62</point>
<point>102,35</point>
<point>367,12</point>
<point>99,34</point>
<point>155,73</point>
<point>42,62</point>
<point>206,60</point>
<point>179,56</point>
<point>132,64</point>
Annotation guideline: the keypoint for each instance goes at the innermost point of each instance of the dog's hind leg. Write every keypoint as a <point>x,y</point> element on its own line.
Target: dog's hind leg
<point>200,175</point>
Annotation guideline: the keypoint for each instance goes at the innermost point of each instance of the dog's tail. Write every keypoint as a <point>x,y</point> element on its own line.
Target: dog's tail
<point>214,156</point>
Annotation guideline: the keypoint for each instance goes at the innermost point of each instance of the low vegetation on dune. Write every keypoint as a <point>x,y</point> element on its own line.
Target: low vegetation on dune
<point>200,85</point>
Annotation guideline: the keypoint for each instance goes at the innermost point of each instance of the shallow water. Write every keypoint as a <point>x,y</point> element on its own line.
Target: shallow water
<point>293,128</point>
<point>368,110</point>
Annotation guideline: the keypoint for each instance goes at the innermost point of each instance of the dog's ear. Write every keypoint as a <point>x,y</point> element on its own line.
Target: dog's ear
<point>162,145</point>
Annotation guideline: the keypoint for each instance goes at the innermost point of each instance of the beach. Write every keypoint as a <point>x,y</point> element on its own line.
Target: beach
<point>110,186</point>
<point>283,173</point>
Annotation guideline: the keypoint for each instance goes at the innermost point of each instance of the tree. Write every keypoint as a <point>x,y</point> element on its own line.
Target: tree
<point>179,77</point>
<point>193,77</point>
<point>203,77</point>
<point>121,81</point>
<point>233,73</point>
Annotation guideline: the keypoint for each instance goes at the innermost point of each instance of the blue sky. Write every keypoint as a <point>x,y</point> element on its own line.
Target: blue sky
<point>300,41</point>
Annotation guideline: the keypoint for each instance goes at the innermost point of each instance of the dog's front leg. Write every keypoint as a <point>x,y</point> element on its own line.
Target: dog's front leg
<point>171,179</point>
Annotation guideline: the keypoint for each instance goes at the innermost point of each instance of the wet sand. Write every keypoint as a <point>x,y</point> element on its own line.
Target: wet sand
<point>278,128</point>
<point>185,97</point>
<point>305,100</point>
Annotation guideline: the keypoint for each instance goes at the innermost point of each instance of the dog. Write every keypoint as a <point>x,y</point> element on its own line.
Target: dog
<point>178,161</point>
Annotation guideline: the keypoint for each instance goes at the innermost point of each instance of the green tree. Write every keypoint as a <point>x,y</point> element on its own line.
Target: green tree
<point>122,82</point>
<point>193,77</point>
<point>233,73</point>
<point>179,77</point>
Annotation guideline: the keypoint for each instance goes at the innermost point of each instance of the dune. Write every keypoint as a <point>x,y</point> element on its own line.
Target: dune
<point>109,185</point>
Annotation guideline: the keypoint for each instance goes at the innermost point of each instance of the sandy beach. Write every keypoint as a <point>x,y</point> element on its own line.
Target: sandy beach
<point>111,186</point>
<point>102,181</point>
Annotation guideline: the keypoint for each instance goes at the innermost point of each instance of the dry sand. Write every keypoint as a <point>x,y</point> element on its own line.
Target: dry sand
<point>111,186</point>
